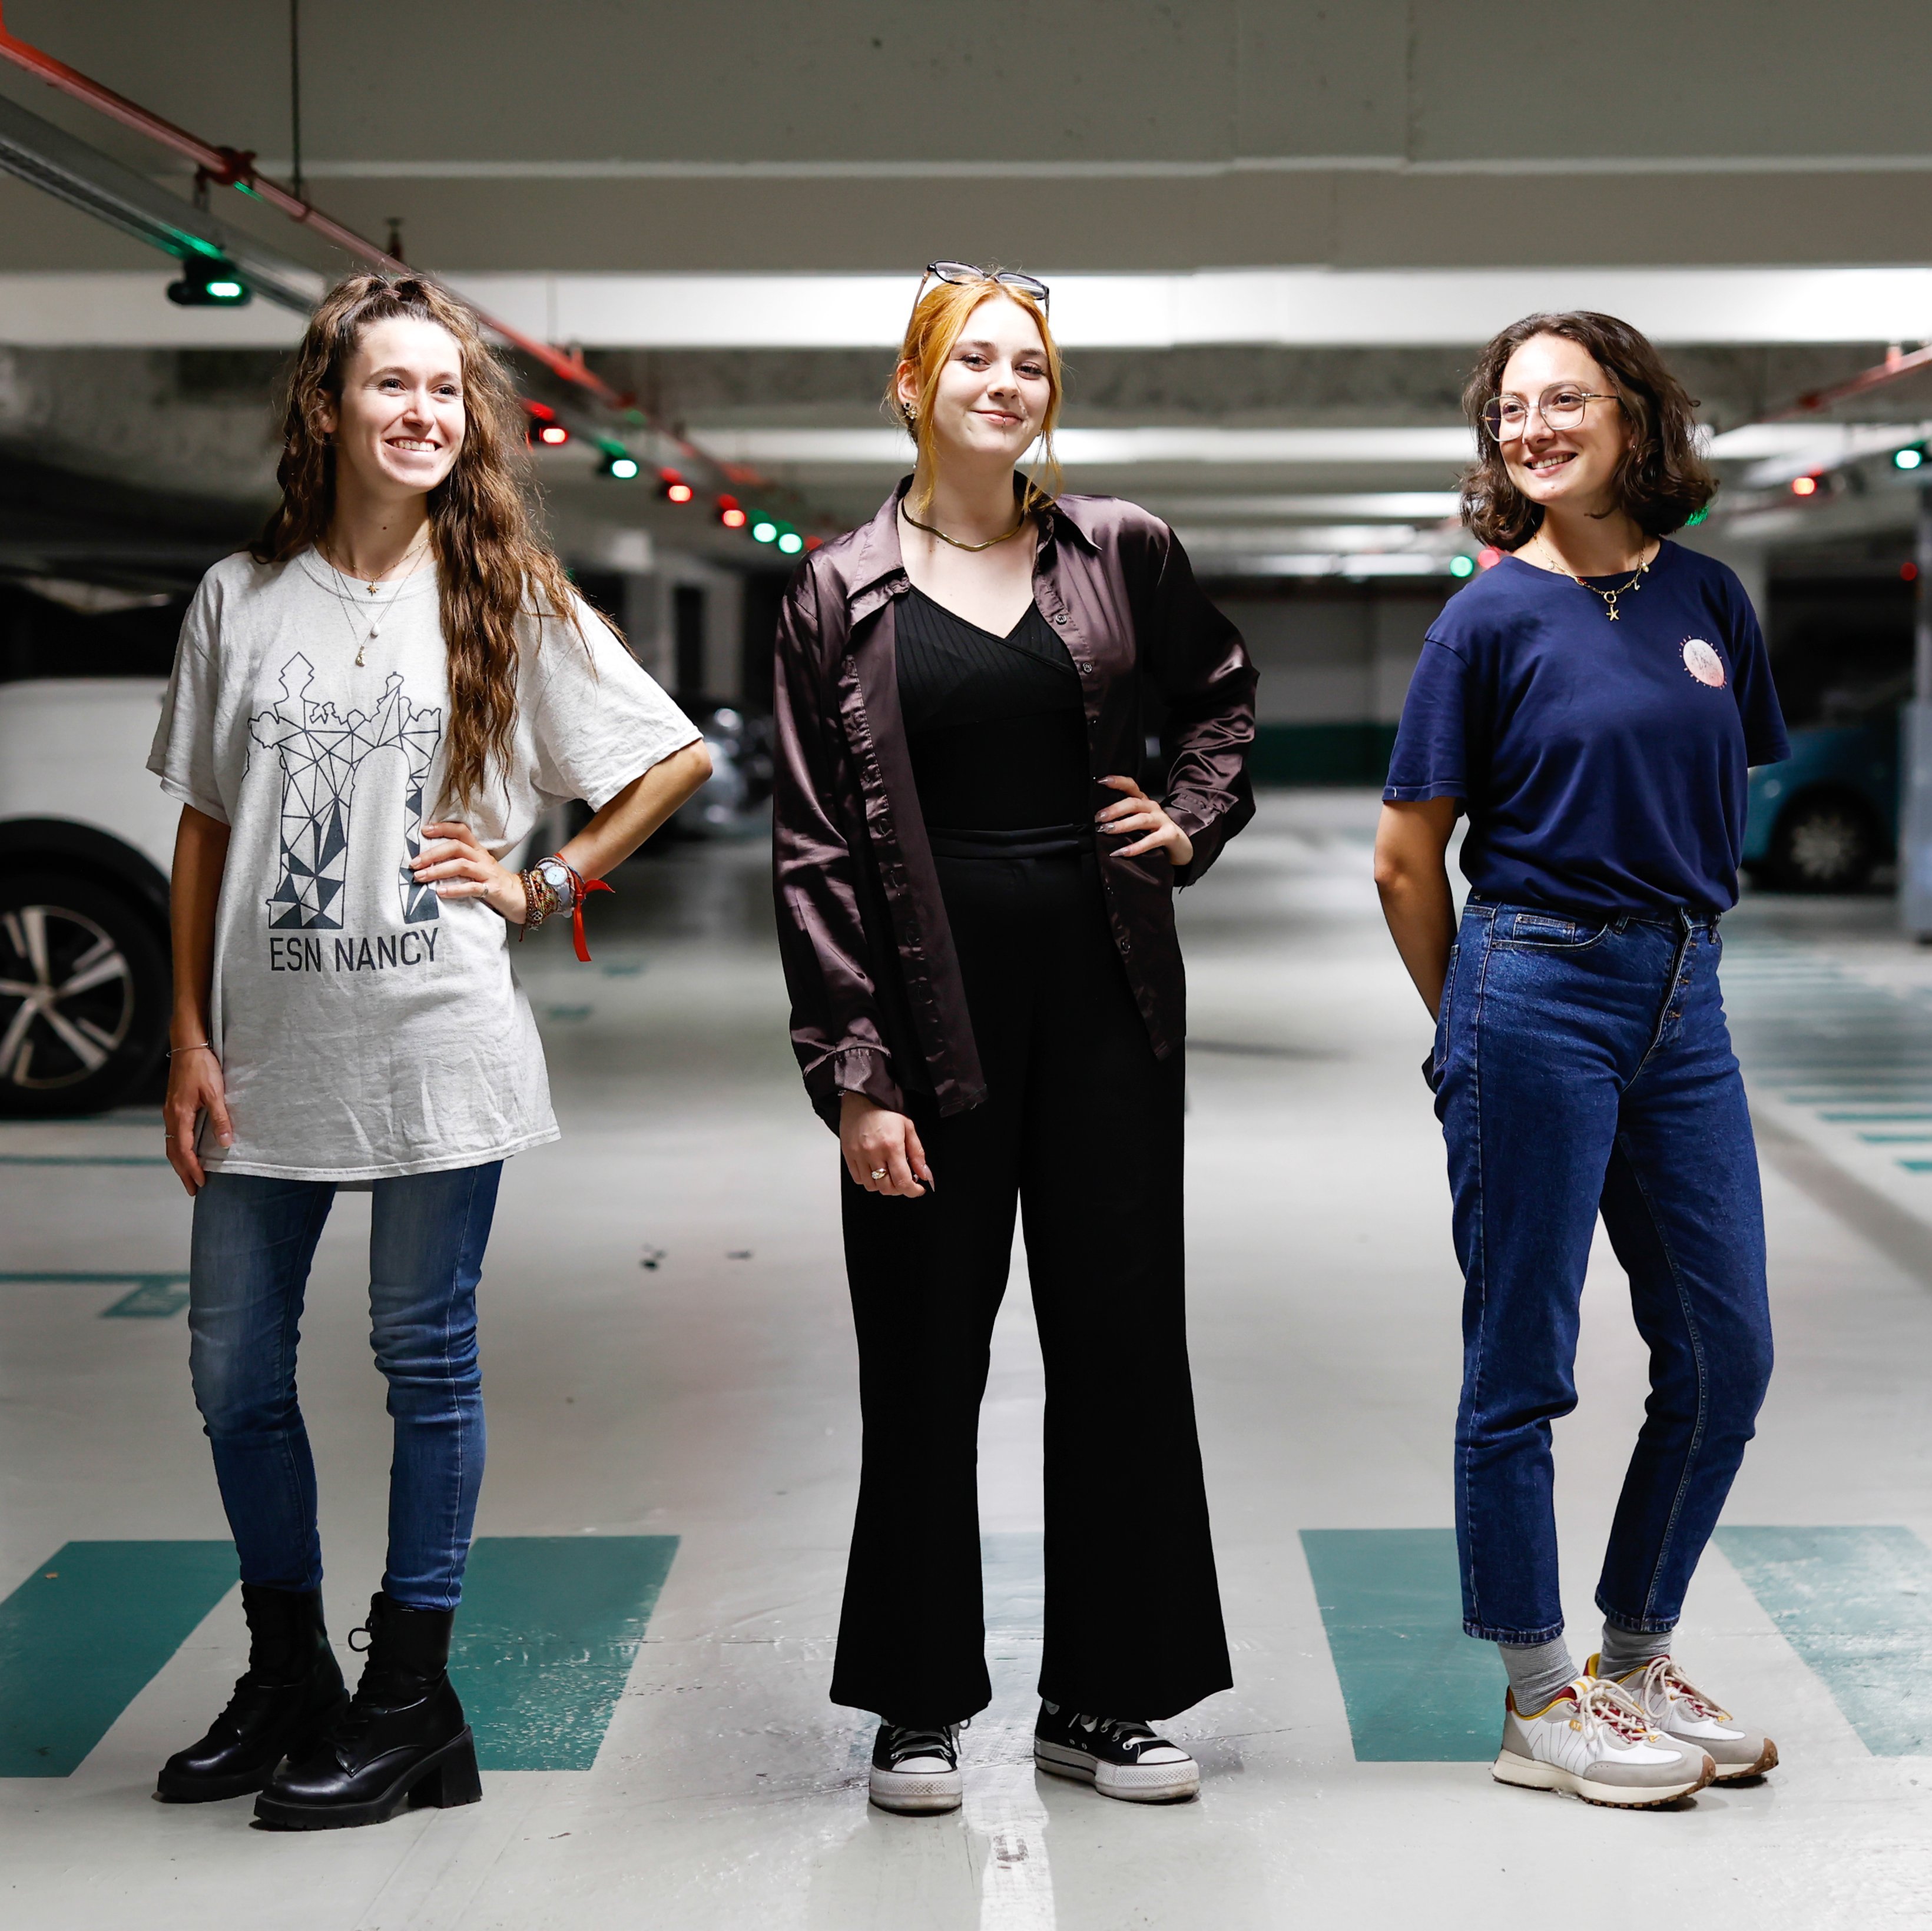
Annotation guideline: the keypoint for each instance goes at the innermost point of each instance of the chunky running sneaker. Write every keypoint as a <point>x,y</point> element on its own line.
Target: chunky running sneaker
<point>1595,1742</point>
<point>916,1767</point>
<point>1118,1756</point>
<point>1660,1689</point>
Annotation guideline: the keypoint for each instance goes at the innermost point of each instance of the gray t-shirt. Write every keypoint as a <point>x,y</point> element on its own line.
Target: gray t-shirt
<point>367,1028</point>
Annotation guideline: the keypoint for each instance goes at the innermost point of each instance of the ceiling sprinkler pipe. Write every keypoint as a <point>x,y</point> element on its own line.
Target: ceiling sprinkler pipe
<point>235,167</point>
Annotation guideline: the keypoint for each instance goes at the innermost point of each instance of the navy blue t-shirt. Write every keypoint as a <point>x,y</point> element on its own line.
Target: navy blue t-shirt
<point>1602,766</point>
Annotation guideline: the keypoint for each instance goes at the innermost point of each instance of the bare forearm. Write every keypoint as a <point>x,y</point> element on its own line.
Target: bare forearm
<point>636,812</point>
<point>1421,914</point>
<point>201,854</point>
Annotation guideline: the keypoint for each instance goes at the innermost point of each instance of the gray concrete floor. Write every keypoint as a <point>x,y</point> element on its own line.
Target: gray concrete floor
<point>713,1398</point>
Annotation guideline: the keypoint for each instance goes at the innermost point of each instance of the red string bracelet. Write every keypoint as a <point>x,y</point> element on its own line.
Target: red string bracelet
<point>580,888</point>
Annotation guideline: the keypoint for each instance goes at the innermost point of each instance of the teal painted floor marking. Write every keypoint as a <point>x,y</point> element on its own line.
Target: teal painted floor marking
<point>1917,1166</point>
<point>82,1160</point>
<point>1873,1119</point>
<point>1856,1605</point>
<point>545,1638</point>
<point>1417,1690</point>
<point>84,1635</point>
<point>150,1296</point>
<point>1895,1139</point>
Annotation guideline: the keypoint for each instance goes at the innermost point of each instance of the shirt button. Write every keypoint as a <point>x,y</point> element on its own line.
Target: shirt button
<point>1060,617</point>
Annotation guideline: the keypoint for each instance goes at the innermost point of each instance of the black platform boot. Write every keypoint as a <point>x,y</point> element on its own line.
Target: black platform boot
<point>291,1690</point>
<point>401,1742</point>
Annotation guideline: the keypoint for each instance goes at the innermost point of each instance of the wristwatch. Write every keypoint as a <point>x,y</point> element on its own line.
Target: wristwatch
<point>556,875</point>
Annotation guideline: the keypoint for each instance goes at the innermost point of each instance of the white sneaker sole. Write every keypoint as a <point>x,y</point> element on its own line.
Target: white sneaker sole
<point>1528,1774</point>
<point>1131,1783</point>
<point>1730,1773</point>
<point>915,1793</point>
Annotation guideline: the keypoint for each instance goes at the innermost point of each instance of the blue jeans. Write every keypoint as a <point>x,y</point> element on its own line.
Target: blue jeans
<point>253,1240</point>
<point>1585,1067</point>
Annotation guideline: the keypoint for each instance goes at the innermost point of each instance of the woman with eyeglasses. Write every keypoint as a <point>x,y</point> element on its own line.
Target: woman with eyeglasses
<point>1592,704</point>
<point>975,898</point>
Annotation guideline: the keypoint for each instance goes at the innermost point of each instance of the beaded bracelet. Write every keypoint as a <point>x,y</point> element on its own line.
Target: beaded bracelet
<point>539,901</point>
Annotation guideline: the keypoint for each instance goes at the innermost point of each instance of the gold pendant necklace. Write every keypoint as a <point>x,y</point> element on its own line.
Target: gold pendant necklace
<point>1610,597</point>
<point>991,542</point>
<point>377,615</point>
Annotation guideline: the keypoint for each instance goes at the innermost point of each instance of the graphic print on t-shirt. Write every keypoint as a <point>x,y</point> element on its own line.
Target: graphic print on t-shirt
<point>322,752</point>
<point>1703,663</point>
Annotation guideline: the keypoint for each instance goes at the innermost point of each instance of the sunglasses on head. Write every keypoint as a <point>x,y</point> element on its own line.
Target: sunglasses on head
<point>964,273</point>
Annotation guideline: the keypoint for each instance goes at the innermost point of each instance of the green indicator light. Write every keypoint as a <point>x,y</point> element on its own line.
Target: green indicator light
<point>1909,458</point>
<point>1690,521</point>
<point>790,542</point>
<point>225,291</point>
<point>764,531</point>
<point>1460,565</point>
<point>209,283</point>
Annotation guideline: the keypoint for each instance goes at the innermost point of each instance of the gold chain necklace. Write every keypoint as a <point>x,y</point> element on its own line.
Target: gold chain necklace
<point>991,542</point>
<point>1610,597</point>
<point>381,611</point>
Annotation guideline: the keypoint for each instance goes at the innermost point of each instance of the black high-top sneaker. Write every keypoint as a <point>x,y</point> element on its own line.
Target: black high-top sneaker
<point>916,1767</point>
<point>402,1741</point>
<point>1118,1755</point>
<point>290,1692</point>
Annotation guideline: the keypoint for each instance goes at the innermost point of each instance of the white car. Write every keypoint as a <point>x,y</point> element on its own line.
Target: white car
<point>86,836</point>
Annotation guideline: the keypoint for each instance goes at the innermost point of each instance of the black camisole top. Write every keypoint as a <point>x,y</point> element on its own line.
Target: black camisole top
<point>995,725</point>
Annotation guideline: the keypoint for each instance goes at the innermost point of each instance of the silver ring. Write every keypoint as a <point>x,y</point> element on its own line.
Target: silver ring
<point>880,1173</point>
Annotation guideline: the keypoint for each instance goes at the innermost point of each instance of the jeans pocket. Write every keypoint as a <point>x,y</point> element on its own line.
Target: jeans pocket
<point>1433,1067</point>
<point>1544,931</point>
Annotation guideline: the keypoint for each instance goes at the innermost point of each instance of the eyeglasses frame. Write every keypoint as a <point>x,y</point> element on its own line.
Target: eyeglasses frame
<point>957,273</point>
<point>1532,409</point>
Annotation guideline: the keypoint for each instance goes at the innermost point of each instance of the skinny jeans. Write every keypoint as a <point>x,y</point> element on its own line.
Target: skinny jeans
<point>1586,1067</point>
<point>1080,1134</point>
<point>253,1240</point>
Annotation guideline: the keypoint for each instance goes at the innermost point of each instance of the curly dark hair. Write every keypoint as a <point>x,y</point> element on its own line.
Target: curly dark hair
<point>1663,481</point>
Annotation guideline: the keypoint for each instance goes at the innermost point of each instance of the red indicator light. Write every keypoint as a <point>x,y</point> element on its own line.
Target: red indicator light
<point>554,433</point>
<point>814,542</point>
<point>1804,486</point>
<point>1489,556</point>
<point>729,514</point>
<point>1909,572</point>
<point>679,493</point>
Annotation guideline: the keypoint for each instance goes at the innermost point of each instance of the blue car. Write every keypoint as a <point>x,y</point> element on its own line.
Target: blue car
<point>1828,816</point>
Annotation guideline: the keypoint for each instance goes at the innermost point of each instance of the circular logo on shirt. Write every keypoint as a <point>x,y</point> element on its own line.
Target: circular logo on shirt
<point>1703,663</point>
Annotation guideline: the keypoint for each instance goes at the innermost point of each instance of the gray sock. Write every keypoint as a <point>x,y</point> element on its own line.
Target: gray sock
<point>1626,1650</point>
<point>1537,1672</point>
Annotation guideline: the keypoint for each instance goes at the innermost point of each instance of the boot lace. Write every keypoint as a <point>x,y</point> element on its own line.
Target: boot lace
<point>1664,1684</point>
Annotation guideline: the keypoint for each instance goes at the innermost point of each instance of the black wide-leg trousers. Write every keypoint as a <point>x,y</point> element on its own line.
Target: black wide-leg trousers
<point>1082,1131</point>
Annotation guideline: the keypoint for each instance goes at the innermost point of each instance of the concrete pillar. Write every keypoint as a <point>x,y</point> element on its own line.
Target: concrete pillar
<point>1914,837</point>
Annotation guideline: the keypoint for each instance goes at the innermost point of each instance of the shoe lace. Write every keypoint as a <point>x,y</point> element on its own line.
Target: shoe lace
<point>1120,1730</point>
<point>1664,1684</point>
<point>1612,1707</point>
<point>917,1740</point>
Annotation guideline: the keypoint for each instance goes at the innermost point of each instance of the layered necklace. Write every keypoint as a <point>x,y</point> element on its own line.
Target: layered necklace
<point>376,613</point>
<point>1610,597</point>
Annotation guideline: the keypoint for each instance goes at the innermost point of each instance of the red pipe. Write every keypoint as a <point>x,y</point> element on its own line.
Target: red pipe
<point>236,168</point>
<point>1889,371</point>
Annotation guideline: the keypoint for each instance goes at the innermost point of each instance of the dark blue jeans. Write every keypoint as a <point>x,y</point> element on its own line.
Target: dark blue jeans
<point>253,1240</point>
<point>1585,1067</point>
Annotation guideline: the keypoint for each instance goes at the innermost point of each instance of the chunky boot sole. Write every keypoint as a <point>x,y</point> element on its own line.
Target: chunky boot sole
<point>1529,1773</point>
<point>1131,1783</point>
<point>440,1782</point>
<point>183,1787</point>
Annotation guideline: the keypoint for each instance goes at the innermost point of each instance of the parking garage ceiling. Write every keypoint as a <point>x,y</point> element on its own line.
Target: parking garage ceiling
<point>1276,231</point>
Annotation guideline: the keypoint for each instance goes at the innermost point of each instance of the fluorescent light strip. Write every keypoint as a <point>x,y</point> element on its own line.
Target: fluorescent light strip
<point>1309,307</point>
<point>927,169</point>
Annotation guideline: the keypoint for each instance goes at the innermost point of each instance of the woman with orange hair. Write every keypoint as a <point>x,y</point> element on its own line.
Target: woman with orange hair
<point>975,897</point>
<point>369,710</point>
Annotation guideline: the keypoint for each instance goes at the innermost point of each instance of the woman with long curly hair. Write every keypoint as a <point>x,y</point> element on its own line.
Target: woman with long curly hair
<point>976,911</point>
<point>370,710</point>
<point>1592,704</point>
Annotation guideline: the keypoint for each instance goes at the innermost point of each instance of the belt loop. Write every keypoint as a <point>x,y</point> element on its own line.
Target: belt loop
<point>1620,924</point>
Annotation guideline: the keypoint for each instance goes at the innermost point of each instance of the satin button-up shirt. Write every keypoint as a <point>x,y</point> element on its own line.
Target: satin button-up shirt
<point>878,1006</point>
